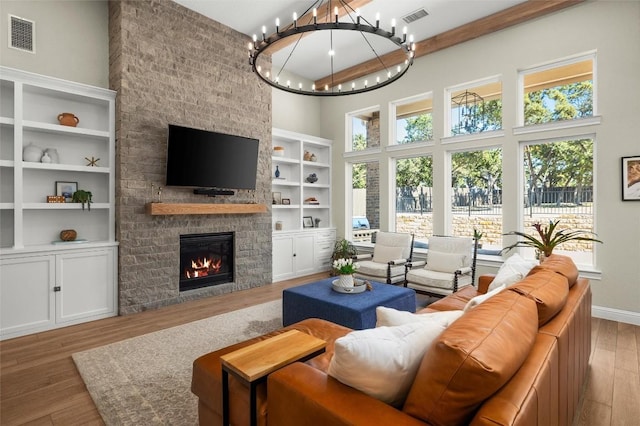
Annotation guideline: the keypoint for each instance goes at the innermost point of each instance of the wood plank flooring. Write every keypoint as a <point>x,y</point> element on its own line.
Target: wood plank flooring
<point>39,383</point>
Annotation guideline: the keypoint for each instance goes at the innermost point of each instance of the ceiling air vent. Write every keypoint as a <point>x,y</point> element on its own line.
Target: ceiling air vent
<point>22,34</point>
<point>414,16</point>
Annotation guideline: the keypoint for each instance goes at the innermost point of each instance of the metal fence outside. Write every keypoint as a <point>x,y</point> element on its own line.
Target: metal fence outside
<point>479,201</point>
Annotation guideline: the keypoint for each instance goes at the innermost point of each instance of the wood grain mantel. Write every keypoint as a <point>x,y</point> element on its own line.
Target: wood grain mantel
<point>156,209</point>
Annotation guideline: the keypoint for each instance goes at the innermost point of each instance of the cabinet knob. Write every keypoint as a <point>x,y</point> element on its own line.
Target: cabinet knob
<point>57,288</point>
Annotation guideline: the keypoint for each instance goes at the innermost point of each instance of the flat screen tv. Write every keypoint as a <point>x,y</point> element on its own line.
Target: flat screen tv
<point>204,159</point>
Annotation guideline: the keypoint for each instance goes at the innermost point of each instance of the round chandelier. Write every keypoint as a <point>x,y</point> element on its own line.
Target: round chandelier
<point>324,17</point>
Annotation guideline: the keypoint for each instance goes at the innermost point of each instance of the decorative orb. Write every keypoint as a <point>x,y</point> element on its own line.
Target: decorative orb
<point>68,235</point>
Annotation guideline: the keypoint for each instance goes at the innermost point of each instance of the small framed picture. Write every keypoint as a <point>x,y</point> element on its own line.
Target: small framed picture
<point>286,201</point>
<point>631,178</point>
<point>277,197</point>
<point>307,222</point>
<point>66,189</point>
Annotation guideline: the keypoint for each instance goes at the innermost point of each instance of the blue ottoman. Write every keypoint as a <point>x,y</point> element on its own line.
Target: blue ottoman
<point>356,311</point>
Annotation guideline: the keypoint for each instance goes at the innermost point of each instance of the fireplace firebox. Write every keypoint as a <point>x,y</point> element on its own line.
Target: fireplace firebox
<point>206,260</point>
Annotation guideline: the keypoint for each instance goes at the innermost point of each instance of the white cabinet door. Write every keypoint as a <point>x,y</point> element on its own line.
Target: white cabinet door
<point>303,254</point>
<point>283,260</point>
<point>86,285</point>
<point>26,301</point>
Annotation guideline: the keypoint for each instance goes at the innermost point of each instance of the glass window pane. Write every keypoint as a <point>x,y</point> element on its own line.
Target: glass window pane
<point>558,94</point>
<point>414,122</point>
<point>365,129</point>
<point>476,109</point>
<point>366,200</point>
<point>476,197</point>
<point>414,184</point>
<point>558,179</point>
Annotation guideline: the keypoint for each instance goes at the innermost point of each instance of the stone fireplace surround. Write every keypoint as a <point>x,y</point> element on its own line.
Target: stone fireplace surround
<point>172,65</point>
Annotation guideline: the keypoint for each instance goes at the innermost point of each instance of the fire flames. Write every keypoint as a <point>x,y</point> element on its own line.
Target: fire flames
<point>203,267</point>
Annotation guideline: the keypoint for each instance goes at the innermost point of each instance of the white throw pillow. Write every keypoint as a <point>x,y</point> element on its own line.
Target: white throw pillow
<point>483,297</point>
<point>385,254</point>
<point>382,362</point>
<point>444,262</point>
<point>389,317</point>
<point>514,269</point>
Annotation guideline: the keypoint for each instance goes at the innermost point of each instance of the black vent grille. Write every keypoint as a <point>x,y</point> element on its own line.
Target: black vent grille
<point>414,16</point>
<point>22,34</point>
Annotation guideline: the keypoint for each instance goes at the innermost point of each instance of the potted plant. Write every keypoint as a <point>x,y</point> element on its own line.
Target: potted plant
<point>343,249</point>
<point>344,268</point>
<point>549,238</point>
<point>81,196</point>
<point>477,236</point>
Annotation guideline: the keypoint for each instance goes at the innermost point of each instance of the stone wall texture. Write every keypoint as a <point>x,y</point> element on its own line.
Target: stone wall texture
<point>373,173</point>
<point>172,65</point>
<point>422,227</point>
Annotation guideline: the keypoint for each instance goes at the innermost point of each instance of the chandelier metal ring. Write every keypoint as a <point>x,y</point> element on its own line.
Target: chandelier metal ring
<point>259,46</point>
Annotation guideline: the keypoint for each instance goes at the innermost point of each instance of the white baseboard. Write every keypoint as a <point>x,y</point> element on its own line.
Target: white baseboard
<point>627,317</point>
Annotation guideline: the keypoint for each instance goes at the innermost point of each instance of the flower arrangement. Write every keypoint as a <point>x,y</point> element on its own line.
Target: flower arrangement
<point>344,266</point>
<point>549,238</point>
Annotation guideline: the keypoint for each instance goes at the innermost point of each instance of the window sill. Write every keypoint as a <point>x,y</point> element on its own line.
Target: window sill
<point>535,128</point>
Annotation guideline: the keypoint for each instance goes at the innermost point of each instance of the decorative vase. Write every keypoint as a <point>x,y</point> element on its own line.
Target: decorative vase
<point>68,235</point>
<point>45,158</point>
<point>312,178</point>
<point>277,172</point>
<point>32,153</point>
<point>53,154</point>
<point>345,280</point>
<point>68,119</point>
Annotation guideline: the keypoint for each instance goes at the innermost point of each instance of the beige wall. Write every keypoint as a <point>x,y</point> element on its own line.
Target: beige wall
<point>71,39</point>
<point>608,27</point>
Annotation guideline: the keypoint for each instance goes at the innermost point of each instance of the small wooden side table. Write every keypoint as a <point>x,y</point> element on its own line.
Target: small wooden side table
<point>254,363</point>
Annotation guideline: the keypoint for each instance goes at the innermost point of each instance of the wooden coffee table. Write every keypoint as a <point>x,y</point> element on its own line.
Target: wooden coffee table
<point>252,364</point>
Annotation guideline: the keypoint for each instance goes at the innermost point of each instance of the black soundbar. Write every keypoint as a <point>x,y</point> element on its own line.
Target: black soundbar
<point>211,192</point>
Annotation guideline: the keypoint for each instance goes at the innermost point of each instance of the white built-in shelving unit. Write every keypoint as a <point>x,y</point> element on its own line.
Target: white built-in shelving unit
<point>46,283</point>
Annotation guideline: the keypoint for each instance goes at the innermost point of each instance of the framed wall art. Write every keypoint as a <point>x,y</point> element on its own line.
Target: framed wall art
<point>307,222</point>
<point>66,189</point>
<point>631,178</point>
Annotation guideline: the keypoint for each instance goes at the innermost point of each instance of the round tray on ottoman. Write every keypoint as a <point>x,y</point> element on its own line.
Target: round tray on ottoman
<point>359,287</point>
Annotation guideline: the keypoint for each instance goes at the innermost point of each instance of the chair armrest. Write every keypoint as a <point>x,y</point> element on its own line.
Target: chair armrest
<point>399,261</point>
<point>415,263</point>
<point>301,394</point>
<point>464,270</point>
<point>363,256</point>
<point>483,282</point>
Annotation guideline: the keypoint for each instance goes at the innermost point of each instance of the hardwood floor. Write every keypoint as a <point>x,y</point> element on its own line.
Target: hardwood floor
<point>39,383</point>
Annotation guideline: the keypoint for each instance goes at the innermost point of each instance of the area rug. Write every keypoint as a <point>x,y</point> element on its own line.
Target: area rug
<point>146,380</point>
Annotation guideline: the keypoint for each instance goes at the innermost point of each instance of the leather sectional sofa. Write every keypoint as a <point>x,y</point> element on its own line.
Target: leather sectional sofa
<point>519,358</point>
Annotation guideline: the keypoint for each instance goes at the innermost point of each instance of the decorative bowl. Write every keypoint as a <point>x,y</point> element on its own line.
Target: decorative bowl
<point>359,287</point>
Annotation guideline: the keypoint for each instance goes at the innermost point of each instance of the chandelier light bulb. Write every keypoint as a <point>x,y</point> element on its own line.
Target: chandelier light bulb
<point>288,83</point>
<point>250,46</point>
<point>332,52</point>
<point>366,83</point>
<point>277,79</point>
<point>300,86</point>
<point>259,68</point>
<point>378,20</point>
<point>393,26</point>
<point>326,87</point>
<point>339,87</point>
<point>255,38</point>
<point>358,16</point>
<point>335,12</point>
<point>313,87</point>
<point>378,80</point>
<point>388,74</point>
<point>264,33</point>
<point>353,85</point>
<point>315,16</point>
<point>295,19</point>
<point>277,25</point>
<point>268,74</point>
<point>399,68</point>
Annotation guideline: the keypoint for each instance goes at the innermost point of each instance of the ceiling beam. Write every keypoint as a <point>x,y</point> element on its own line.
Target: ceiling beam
<point>498,21</point>
<point>324,16</point>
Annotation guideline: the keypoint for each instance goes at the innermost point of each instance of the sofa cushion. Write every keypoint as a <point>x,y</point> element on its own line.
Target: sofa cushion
<point>382,362</point>
<point>512,270</point>
<point>472,359</point>
<point>548,289</point>
<point>483,298</point>
<point>444,262</point>
<point>385,254</point>
<point>389,317</point>
<point>562,265</point>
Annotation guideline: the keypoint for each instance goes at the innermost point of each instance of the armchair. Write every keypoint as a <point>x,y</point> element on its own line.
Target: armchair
<point>391,252</point>
<point>450,265</point>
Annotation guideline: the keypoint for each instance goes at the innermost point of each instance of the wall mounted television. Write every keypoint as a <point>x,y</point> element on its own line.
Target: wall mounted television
<point>210,161</point>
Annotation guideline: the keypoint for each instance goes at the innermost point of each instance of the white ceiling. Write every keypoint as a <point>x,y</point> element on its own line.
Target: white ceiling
<point>248,17</point>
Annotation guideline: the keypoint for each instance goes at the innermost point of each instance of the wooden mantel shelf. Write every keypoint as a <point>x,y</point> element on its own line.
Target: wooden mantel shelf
<point>156,209</point>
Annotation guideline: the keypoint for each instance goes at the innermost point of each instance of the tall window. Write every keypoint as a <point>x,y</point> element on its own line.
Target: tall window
<point>475,109</point>
<point>414,203</point>
<point>558,185</point>
<point>365,130</point>
<point>365,178</point>
<point>476,195</point>
<point>558,92</point>
<point>414,121</point>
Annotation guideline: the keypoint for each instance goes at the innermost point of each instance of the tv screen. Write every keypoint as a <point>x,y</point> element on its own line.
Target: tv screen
<point>203,159</point>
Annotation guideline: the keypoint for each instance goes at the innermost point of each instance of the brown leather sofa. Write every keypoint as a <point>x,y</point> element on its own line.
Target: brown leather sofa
<point>519,358</point>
